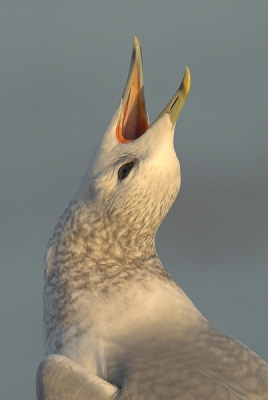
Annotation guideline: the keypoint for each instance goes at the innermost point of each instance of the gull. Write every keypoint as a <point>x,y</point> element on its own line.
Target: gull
<point>116,325</point>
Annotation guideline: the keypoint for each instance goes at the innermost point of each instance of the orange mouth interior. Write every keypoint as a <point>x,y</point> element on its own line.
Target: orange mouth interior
<point>133,119</point>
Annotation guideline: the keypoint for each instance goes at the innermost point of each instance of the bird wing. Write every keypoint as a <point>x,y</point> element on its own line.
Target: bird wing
<point>60,378</point>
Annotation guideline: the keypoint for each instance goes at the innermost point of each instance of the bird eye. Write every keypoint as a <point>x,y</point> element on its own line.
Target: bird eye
<point>124,170</point>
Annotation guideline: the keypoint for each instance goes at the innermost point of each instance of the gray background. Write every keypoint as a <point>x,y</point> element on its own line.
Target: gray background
<point>63,67</point>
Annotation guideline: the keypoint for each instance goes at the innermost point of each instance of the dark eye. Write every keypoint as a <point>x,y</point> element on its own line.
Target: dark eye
<point>124,170</point>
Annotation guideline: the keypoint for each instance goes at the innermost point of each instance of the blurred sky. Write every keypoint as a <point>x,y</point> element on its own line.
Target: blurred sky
<point>63,67</point>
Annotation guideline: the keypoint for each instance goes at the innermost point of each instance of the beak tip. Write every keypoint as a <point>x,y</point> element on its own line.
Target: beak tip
<point>186,82</point>
<point>136,43</point>
<point>136,53</point>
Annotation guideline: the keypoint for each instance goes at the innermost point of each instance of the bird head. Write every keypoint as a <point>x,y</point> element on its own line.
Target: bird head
<point>134,175</point>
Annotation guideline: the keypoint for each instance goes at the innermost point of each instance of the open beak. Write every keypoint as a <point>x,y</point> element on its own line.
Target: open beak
<point>133,119</point>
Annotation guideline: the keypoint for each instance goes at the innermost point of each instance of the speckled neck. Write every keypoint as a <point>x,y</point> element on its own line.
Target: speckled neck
<point>85,261</point>
<point>91,237</point>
